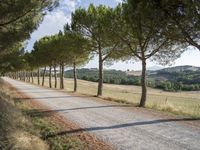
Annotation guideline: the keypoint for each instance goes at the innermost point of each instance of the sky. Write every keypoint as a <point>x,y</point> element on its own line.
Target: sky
<point>55,20</point>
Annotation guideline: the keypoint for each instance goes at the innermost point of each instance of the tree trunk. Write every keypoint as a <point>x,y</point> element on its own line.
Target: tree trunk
<point>100,82</point>
<point>55,76</point>
<point>38,74</point>
<point>50,77</point>
<point>143,84</point>
<point>17,75</point>
<point>43,76</point>
<point>61,76</point>
<point>24,76</point>
<point>32,77</point>
<point>29,76</point>
<point>63,67</point>
<point>20,75</point>
<point>75,78</point>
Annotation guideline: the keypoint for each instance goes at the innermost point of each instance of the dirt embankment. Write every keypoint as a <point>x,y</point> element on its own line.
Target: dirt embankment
<point>13,126</point>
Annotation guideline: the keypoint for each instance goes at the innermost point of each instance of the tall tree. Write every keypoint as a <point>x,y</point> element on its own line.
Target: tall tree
<point>143,30</point>
<point>78,50</point>
<point>94,23</point>
<point>41,54</point>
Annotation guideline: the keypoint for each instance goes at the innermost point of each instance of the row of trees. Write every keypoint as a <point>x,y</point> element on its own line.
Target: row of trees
<point>157,30</point>
<point>67,48</point>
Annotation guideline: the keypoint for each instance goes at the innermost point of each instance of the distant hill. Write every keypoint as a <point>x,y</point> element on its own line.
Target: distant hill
<point>181,68</point>
<point>154,68</point>
<point>178,78</point>
<point>110,76</point>
<point>177,73</point>
<point>139,72</point>
<point>133,73</point>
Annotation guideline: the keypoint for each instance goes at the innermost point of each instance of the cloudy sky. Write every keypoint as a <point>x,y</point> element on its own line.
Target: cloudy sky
<point>55,20</point>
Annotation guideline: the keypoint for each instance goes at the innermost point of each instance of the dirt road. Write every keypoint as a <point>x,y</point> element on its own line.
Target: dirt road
<point>122,126</point>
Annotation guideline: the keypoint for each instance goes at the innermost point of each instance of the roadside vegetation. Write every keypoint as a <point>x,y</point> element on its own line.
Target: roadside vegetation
<point>14,126</point>
<point>27,126</point>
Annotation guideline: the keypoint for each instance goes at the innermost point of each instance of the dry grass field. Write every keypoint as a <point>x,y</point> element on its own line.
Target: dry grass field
<point>184,103</point>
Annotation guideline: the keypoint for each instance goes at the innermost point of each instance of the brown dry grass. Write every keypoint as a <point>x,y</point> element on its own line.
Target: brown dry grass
<point>186,103</point>
<point>13,126</point>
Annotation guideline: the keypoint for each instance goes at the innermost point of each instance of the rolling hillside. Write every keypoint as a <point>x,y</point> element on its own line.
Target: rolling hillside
<point>184,74</point>
<point>186,78</point>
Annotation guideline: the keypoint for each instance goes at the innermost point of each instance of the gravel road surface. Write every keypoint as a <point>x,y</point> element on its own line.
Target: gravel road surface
<point>122,126</point>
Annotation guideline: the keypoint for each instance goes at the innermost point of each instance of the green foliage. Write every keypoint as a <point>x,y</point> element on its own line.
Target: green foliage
<point>95,24</point>
<point>78,47</point>
<point>19,18</point>
<point>12,61</point>
<point>66,48</point>
<point>183,19</point>
<point>143,31</point>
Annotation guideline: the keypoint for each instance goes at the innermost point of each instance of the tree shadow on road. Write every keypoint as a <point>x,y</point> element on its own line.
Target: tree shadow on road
<point>42,112</point>
<point>47,97</point>
<point>120,126</point>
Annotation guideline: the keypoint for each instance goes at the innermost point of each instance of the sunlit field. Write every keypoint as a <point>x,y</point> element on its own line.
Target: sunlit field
<point>187,103</point>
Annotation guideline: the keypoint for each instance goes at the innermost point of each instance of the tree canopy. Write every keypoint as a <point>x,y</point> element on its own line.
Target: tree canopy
<point>19,18</point>
<point>184,18</point>
<point>143,31</point>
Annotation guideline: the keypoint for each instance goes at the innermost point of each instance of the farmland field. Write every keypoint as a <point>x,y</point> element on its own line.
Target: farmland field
<point>186,103</point>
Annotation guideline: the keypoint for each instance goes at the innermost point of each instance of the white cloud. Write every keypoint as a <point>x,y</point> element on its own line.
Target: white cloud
<point>70,4</point>
<point>54,21</point>
<point>119,1</point>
